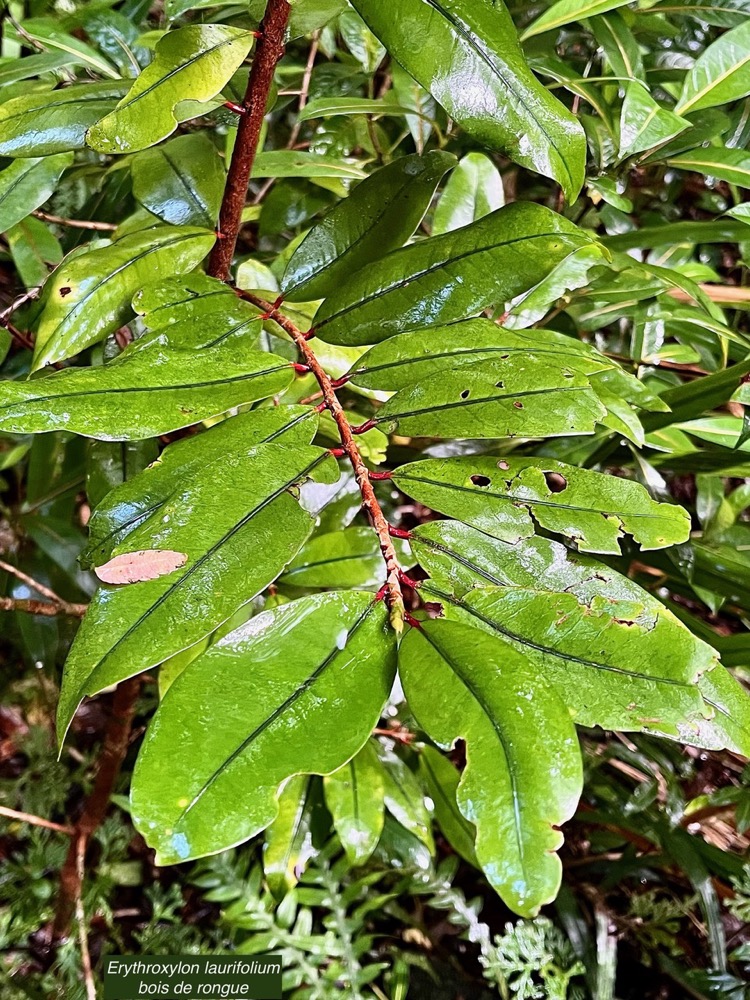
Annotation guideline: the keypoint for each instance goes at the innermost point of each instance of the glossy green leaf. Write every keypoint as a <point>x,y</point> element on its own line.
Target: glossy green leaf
<point>27,184</point>
<point>180,464</point>
<point>355,798</point>
<point>730,725</point>
<point>233,552</point>
<point>523,776</point>
<point>576,619</point>
<point>298,690</point>
<point>474,189</point>
<point>724,13</point>
<point>191,299</point>
<point>619,44</point>
<point>564,11</point>
<point>404,797</point>
<point>644,123</point>
<point>40,124</point>
<point>441,780</point>
<point>290,163</point>
<point>500,496</point>
<point>191,63</point>
<point>182,181</point>
<point>379,216</point>
<point>47,34</point>
<point>721,74</point>
<point>288,838</point>
<point>451,276</point>
<point>143,392</point>
<point>731,165</point>
<point>520,397</point>
<point>467,54</point>
<point>89,294</point>
<point>350,558</point>
<point>34,250</point>
<point>411,95</point>
<point>410,358</point>
<point>330,107</point>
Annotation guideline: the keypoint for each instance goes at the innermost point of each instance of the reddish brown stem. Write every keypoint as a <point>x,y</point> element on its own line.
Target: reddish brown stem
<point>370,503</point>
<point>116,740</point>
<point>32,607</point>
<point>268,52</point>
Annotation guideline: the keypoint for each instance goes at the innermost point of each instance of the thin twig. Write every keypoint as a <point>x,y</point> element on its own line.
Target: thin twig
<point>305,91</point>
<point>268,52</point>
<point>102,227</point>
<point>116,741</point>
<point>40,588</point>
<point>48,609</point>
<point>83,940</point>
<point>32,820</point>
<point>394,597</point>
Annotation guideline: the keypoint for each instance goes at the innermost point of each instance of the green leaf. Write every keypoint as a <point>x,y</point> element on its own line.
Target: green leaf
<point>182,181</point>
<point>500,496</point>
<point>46,33</point>
<point>731,165</point>
<point>379,216</point>
<point>194,298</point>
<point>451,276</point>
<point>724,13</point>
<point>565,11</point>
<point>619,44</point>
<point>721,74</point>
<point>404,797</point>
<point>576,620</point>
<point>360,41</point>
<point>297,691</point>
<point>526,397</point>
<point>34,250</point>
<point>250,535</point>
<point>180,464</point>
<point>144,392</point>
<point>287,841</point>
<point>474,190</point>
<point>290,163</point>
<point>88,296</point>
<point>466,53</point>
<point>523,776</point>
<point>410,358</point>
<point>644,123</point>
<point>441,780</point>
<point>422,106</point>
<point>191,63</point>
<point>730,725</point>
<point>42,124</point>
<point>330,107</point>
<point>723,231</point>
<point>355,798</point>
<point>27,184</point>
<point>350,558</point>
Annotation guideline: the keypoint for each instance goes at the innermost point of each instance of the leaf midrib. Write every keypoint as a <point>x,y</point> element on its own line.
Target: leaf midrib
<point>570,238</point>
<point>301,689</point>
<point>466,403</point>
<point>194,567</point>
<point>229,380</point>
<point>485,57</point>
<point>509,758</point>
<point>483,491</point>
<point>550,650</point>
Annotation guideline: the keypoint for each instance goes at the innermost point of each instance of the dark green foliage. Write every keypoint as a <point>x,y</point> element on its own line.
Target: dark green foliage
<point>447,480</point>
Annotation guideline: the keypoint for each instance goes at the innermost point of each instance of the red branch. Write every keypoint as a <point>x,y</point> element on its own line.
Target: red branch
<point>116,740</point>
<point>370,503</point>
<point>268,52</point>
